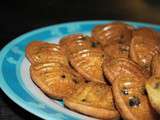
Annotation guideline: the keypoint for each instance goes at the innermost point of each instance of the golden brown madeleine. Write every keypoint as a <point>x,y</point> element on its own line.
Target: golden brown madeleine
<point>84,56</point>
<point>50,69</point>
<point>153,90</point>
<point>113,67</point>
<point>115,32</point>
<point>144,45</point>
<point>130,98</point>
<point>89,64</point>
<point>54,79</point>
<point>93,99</point>
<point>42,52</point>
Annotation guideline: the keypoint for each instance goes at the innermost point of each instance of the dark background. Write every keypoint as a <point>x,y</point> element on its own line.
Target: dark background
<point>20,16</point>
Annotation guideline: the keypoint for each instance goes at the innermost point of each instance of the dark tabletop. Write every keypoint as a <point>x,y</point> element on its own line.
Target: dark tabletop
<point>20,16</point>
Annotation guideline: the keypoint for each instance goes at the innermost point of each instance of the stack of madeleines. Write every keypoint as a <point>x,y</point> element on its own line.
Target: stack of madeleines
<point>112,74</point>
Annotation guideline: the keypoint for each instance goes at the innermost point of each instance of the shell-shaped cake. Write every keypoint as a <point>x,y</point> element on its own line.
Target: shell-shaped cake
<point>84,56</point>
<point>93,99</point>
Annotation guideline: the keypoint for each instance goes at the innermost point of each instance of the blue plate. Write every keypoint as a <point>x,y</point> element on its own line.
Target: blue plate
<point>14,70</point>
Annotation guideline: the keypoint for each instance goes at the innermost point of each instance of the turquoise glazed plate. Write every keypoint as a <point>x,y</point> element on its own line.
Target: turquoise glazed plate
<point>15,79</point>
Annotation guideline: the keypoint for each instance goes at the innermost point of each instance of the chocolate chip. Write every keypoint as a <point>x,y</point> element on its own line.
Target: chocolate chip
<point>83,100</point>
<point>94,44</point>
<point>134,101</point>
<point>63,76</point>
<point>87,81</point>
<point>75,81</point>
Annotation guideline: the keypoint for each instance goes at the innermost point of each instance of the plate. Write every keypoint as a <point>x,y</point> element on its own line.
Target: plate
<point>14,70</point>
